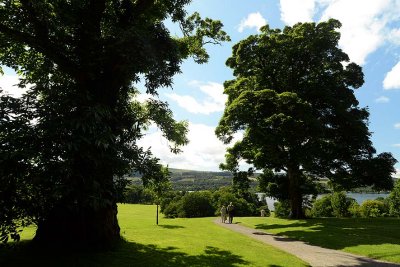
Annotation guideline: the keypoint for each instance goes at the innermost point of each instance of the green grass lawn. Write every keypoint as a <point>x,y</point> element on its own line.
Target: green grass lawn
<point>174,242</point>
<point>377,238</point>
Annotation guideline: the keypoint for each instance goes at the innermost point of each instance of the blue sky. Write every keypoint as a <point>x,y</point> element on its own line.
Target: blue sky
<point>370,36</point>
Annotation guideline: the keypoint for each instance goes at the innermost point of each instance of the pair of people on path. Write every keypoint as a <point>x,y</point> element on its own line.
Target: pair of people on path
<point>227,211</point>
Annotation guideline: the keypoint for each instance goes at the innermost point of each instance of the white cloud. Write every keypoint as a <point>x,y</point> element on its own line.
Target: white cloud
<point>143,97</point>
<point>397,125</point>
<point>396,145</point>
<point>365,23</point>
<point>253,20</point>
<point>213,102</point>
<point>397,174</point>
<point>392,78</point>
<point>8,83</point>
<point>293,11</point>
<point>382,99</point>
<point>204,151</point>
<point>394,36</point>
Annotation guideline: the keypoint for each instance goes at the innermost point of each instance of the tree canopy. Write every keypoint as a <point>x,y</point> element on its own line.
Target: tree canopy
<point>67,141</point>
<point>292,98</point>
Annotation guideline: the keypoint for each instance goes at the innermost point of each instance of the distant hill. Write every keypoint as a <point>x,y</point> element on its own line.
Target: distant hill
<point>190,180</point>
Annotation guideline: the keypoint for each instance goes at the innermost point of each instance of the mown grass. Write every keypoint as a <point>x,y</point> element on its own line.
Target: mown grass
<point>377,238</point>
<point>174,242</point>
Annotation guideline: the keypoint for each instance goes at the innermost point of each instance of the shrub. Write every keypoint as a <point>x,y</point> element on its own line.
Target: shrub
<point>197,204</point>
<point>244,208</point>
<point>354,209</point>
<point>322,207</point>
<point>394,200</point>
<point>188,205</point>
<point>137,195</point>
<point>170,197</point>
<point>336,204</point>
<point>173,209</point>
<point>282,209</point>
<point>372,208</point>
<point>205,203</point>
<point>340,204</point>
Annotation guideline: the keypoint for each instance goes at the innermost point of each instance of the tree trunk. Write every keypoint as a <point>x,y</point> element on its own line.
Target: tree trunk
<point>295,195</point>
<point>80,228</point>
<point>86,217</point>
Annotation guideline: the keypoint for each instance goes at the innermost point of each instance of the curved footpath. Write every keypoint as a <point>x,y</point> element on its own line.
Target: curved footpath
<point>315,256</point>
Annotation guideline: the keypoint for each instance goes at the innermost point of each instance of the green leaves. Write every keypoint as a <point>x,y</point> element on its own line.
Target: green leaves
<point>197,33</point>
<point>175,132</point>
<point>292,97</point>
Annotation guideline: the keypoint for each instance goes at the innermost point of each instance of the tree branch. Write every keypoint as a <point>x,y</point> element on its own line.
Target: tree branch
<point>211,42</point>
<point>43,46</point>
<point>41,29</point>
<point>96,9</point>
<point>142,5</point>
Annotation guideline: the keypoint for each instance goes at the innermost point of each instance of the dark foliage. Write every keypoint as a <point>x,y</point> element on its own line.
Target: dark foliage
<point>137,195</point>
<point>64,143</point>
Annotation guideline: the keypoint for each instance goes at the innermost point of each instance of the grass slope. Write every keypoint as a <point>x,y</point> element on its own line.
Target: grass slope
<point>377,238</point>
<point>175,242</point>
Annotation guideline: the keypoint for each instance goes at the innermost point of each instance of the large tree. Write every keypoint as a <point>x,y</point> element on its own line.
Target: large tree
<point>292,97</point>
<point>66,142</point>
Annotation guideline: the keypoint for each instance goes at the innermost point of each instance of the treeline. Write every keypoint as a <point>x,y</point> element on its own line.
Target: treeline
<point>208,203</point>
<point>184,204</point>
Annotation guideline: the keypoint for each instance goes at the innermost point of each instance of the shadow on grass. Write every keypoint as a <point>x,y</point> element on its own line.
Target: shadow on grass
<point>337,233</point>
<point>126,254</point>
<point>166,226</point>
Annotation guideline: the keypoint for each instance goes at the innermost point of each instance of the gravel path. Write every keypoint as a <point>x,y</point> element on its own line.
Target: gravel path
<point>315,256</point>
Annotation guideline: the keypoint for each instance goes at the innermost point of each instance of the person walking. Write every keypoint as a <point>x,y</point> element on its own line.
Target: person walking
<point>223,214</point>
<point>230,210</point>
<point>263,213</point>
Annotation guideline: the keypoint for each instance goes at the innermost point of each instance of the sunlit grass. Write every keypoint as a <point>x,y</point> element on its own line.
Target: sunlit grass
<point>174,242</point>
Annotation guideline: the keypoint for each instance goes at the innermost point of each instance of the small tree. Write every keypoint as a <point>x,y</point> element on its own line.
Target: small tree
<point>158,182</point>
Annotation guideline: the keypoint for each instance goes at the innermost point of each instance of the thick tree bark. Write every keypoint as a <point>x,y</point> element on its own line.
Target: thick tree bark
<point>79,228</point>
<point>86,216</point>
<point>295,196</point>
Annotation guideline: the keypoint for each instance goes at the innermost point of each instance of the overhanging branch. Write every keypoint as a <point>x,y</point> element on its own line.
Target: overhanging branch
<point>43,46</point>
